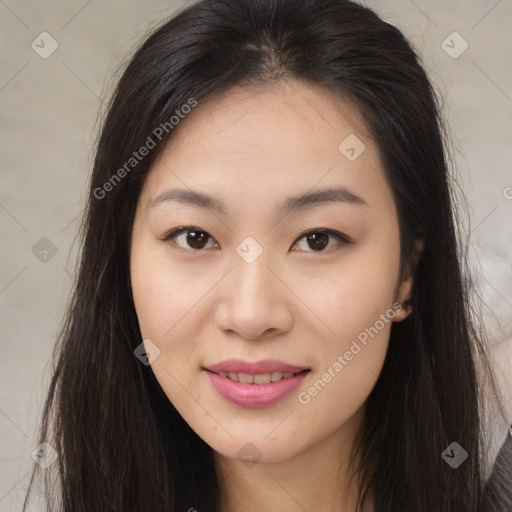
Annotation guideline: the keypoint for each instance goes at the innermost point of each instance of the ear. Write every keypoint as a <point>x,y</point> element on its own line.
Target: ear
<point>406,283</point>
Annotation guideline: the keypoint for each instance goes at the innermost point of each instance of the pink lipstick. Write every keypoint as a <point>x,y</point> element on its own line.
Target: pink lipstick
<point>258,384</point>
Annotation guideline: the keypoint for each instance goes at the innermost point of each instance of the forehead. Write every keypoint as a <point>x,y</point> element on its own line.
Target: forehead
<point>249,116</point>
<point>257,143</point>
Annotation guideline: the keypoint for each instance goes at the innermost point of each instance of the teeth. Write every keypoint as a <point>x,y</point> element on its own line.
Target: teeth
<point>263,378</point>
<point>245,378</point>
<point>260,378</point>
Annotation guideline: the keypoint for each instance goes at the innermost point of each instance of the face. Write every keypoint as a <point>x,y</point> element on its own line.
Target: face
<point>298,292</point>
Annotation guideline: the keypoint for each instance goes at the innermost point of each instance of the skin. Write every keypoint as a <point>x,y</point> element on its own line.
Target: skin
<point>251,148</point>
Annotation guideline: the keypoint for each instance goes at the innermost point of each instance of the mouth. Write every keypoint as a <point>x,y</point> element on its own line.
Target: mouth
<point>254,384</point>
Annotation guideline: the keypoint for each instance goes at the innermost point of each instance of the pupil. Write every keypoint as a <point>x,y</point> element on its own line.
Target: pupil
<point>318,240</point>
<point>192,242</point>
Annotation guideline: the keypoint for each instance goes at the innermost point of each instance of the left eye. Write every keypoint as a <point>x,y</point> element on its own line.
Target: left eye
<point>317,239</point>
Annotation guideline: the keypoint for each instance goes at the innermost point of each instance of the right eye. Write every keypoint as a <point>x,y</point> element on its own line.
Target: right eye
<point>191,235</point>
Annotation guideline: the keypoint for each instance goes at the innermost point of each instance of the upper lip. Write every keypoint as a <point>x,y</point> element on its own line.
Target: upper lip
<point>255,368</point>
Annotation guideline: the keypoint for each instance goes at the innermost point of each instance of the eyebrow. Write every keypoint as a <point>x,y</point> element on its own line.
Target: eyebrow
<point>337,194</point>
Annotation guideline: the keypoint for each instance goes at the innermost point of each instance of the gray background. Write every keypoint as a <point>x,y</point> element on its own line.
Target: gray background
<point>49,118</point>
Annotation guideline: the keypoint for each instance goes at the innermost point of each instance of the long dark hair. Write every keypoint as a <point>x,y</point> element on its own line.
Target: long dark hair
<point>121,444</point>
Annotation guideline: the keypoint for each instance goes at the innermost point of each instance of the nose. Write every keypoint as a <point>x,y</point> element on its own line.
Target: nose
<point>255,301</point>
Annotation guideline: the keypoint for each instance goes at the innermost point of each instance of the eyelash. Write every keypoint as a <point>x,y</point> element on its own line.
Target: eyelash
<point>344,240</point>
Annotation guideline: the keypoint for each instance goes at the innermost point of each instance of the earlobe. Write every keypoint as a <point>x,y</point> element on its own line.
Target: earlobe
<point>406,284</point>
<point>406,309</point>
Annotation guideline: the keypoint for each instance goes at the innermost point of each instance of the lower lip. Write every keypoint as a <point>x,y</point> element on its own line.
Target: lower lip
<point>255,395</point>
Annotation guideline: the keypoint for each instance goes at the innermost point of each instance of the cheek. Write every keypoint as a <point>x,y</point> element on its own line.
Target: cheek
<point>356,309</point>
<point>350,364</point>
<point>352,295</point>
<point>164,295</point>
<point>167,303</point>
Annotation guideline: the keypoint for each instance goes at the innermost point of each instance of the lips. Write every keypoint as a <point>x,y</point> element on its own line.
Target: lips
<point>255,384</point>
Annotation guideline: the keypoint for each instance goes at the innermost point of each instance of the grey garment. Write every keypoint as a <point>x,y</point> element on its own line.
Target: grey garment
<point>498,489</point>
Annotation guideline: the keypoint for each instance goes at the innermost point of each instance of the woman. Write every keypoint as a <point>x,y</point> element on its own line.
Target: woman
<point>271,311</point>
